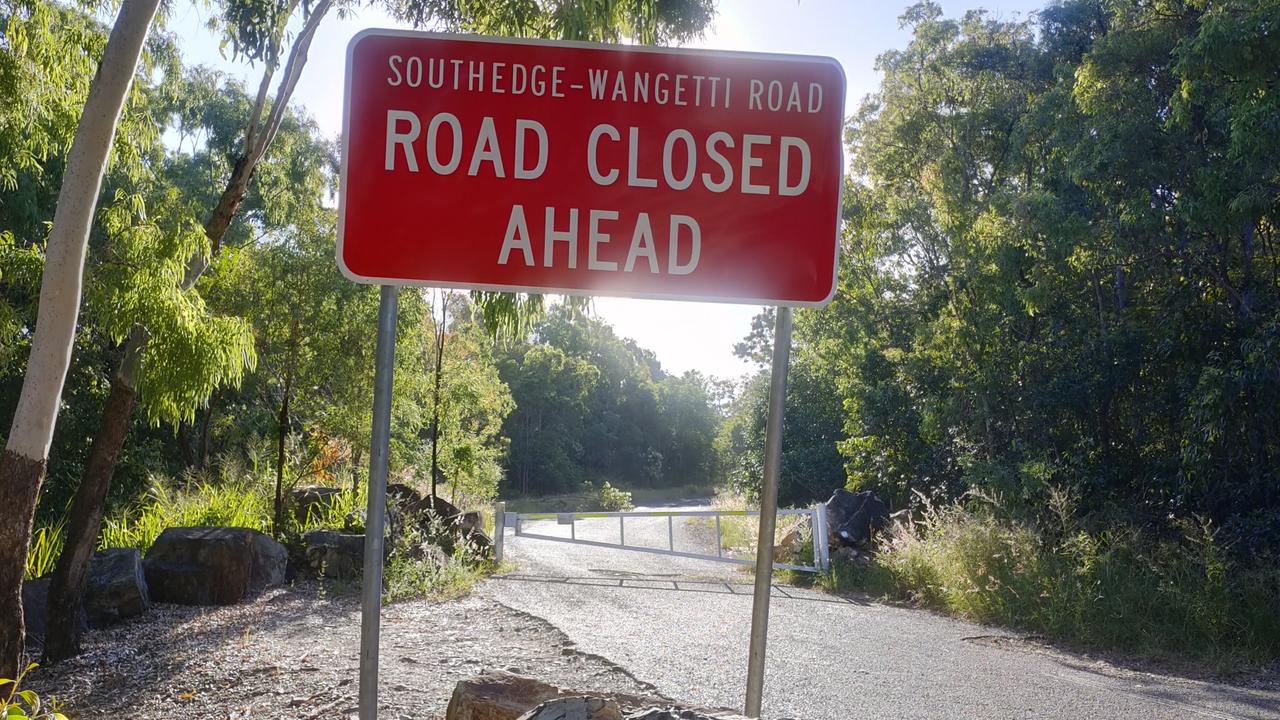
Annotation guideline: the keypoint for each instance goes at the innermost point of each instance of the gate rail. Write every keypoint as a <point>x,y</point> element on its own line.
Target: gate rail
<point>817,524</point>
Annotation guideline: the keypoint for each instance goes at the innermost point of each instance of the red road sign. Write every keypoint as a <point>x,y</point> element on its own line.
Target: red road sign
<point>590,169</point>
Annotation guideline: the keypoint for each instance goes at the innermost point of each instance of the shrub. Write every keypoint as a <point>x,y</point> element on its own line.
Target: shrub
<point>18,703</point>
<point>612,499</point>
<point>1114,589</point>
<point>409,579</point>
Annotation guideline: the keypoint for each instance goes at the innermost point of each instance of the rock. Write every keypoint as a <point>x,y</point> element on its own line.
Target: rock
<point>35,603</point>
<point>428,553</point>
<point>479,542</point>
<point>270,563</point>
<point>210,565</point>
<point>852,518</point>
<point>502,696</point>
<point>575,708</point>
<point>334,554</point>
<point>422,511</point>
<point>497,696</point>
<point>790,547</point>
<point>314,498</point>
<point>117,587</point>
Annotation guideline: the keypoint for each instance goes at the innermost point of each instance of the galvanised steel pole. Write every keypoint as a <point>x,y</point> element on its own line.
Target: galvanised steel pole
<point>371,592</point>
<point>768,511</point>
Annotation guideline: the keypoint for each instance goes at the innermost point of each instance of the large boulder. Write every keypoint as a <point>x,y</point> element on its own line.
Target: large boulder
<point>852,518</point>
<point>312,499</point>
<point>270,563</point>
<point>117,586</point>
<point>211,565</point>
<point>333,554</point>
<point>35,603</point>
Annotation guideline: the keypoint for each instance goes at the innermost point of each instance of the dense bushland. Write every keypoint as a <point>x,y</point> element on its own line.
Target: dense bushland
<point>1061,279</point>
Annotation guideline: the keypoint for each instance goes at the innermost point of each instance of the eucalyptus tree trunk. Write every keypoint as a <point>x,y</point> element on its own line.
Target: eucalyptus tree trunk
<point>65,599</point>
<point>85,519</point>
<point>26,454</point>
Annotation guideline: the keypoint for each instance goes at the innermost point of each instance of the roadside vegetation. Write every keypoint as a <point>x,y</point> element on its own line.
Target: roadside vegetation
<point>1182,597</point>
<point>1055,341</point>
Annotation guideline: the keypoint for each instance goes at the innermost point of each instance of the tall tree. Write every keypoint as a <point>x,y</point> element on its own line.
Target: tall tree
<point>26,453</point>
<point>257,30</point>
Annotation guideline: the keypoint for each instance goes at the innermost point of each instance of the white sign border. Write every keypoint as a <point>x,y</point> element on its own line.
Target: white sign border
<point>538,290</point>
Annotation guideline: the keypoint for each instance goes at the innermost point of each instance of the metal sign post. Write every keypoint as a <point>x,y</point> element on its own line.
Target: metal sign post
<point>375,513</point>
<point>768,511</point>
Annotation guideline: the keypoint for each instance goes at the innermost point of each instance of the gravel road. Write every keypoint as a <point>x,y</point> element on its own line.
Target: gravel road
<point>683,625</point>
<point>292,653</point>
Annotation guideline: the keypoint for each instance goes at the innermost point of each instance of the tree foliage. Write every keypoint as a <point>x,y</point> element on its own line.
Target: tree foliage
<point>1060,265</point>
<point>592,407</point>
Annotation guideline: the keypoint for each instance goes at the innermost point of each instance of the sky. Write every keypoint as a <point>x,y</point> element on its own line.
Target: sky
<point>683,335</point>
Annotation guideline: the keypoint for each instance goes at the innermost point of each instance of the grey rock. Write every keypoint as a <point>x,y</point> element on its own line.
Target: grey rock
<point>334,554</point>
<point>117,586</point>
<point>270,563</point>
<point>208,565</point>
<point>853,518</point>
<point>35,602</point>
<point>575,708</point>
<point>312,499</point>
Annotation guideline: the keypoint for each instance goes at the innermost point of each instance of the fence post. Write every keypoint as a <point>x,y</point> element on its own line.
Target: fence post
<point>499,529</point>
<point>821,551</point>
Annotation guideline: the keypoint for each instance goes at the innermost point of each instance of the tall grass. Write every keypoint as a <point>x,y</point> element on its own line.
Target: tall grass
<point>1114,589</point>
<point>236,501</point>
<point>196,503</point>
<point>246,499</point>
<point>407,579</point>
<point>46,546</point>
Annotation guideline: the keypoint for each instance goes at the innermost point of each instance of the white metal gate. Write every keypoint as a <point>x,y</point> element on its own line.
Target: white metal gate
<point>816,517</point>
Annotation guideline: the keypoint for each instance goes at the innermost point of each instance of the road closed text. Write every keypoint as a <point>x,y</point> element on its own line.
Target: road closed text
<point>519,151</point>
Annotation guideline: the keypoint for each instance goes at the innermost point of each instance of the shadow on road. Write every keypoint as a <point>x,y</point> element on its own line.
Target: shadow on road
<point>715,587</point>
<point>1262,699</point>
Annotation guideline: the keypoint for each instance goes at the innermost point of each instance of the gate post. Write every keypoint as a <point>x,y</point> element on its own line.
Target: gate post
<point>821,549</point>
<point>499,529</point>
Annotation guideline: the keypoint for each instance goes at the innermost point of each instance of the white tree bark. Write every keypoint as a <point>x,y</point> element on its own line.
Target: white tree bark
<point>62,284</point>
